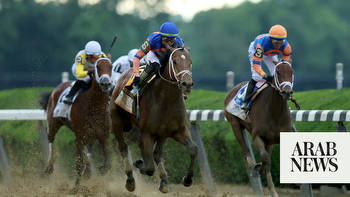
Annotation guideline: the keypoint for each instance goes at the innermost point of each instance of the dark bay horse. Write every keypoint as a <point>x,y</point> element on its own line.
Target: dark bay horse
<point>90,118</point>
<point>268,116</point>
<point>162,115</point>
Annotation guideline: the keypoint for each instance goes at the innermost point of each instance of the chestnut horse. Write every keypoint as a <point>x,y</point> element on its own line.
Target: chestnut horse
<point>268,116</point>
<point>89,116</point>
<point>162,115</point>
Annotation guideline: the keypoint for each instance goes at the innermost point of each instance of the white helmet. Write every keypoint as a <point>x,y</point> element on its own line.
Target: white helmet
<point>93,48</point>
<point>132,54</point>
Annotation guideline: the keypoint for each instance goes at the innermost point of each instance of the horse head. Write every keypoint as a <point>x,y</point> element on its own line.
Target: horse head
<point>102,75</point>
<point>284,79</point>
<point>180,69</point>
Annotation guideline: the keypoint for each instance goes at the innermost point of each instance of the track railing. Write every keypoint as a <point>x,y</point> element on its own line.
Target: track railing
<point>193,116</point>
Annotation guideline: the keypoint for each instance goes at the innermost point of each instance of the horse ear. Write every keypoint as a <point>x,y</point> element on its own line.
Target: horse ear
<point>188,48</point>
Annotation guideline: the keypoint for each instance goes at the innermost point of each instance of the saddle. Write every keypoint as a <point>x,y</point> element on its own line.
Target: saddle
<point>234,107</point>
<point>62,109</point>
<point>126,99</point>
<point>259,86</point>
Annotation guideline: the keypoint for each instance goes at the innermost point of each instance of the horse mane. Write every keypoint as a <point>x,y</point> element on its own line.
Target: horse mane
<point>164,58</point>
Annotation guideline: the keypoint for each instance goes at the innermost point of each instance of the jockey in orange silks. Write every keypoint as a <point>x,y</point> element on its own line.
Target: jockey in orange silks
<point>266,47</point>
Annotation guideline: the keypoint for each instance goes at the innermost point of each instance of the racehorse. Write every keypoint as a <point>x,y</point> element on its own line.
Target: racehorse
<point>162,115</point>
<point>89,116</point>
<point>269,115</point>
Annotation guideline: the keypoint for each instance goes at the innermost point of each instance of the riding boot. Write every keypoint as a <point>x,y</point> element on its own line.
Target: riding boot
<point>148,72</point>
<point>145,76</point>
<point>249,94</point>
<point>135,86</point>
<point>68,99</point>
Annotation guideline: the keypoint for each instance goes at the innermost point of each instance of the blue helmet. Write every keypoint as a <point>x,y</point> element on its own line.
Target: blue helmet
<point>169,29</point>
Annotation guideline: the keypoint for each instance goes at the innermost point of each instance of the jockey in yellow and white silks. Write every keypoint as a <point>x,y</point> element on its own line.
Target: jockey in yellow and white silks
<point>83,64</point>
<point>266,48</point>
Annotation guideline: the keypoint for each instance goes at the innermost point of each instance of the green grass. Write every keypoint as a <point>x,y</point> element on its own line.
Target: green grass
<point>224,154</point>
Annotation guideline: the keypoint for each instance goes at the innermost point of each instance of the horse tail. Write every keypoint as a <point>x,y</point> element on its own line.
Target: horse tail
<point>44,99</point>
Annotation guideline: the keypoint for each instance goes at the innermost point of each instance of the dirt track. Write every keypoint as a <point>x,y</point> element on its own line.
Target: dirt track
<point>60,185</point>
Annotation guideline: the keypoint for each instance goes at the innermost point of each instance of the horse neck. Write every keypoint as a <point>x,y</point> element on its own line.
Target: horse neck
<point>97,98</point>
<point>168,92</point>
<point>275,103</point>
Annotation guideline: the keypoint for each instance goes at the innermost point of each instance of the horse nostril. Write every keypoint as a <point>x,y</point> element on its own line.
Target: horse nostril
<point>192,84</point>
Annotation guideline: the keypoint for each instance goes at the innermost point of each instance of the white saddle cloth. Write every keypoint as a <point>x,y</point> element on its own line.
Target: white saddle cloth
<point>63,110</point>
<point>234,107</point>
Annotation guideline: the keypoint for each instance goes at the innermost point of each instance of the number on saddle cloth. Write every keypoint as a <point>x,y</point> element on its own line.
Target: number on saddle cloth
<point>242,92</point>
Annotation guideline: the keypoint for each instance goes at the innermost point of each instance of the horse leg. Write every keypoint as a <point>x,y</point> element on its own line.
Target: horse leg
<point>266,162</point>
<point>147,165</point>
<point>158,158</point>
<point>86,160</point>
<point>270,184</point>
<point>123,149</point>
<point>238,132</point>
<point>106,153</point>
<point>52,131</point>
<point>184,138</point>
<point>79,164</point>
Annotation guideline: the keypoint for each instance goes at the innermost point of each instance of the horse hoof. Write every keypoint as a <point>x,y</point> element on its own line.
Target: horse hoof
<point>130,184</point>
<point>138,164</point>
<point>163,187</point>
<point>187,181</point>
<point>250,162</point>
<point>49,169</point>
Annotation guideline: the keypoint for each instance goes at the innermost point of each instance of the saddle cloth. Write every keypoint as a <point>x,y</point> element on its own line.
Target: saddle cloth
<point>63,110</point>
<point>234,107</point>
<point>125,99</point>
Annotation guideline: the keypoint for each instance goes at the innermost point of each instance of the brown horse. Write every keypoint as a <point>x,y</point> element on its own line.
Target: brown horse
<point>162,115</point>
<point>90,118</point>
<point>268,116</point>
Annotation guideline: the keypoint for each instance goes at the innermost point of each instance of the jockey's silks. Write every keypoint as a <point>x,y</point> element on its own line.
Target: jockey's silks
<point>154,43</point>
<point>81,61</point>
<point>263,46</point>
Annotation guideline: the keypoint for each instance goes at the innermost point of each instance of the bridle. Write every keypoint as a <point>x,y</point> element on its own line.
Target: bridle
<point>284,83</point>
<point>97,77</point>
<point>172,71</point>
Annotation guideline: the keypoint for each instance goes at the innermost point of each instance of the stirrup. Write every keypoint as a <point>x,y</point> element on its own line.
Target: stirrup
<point>134,90</point>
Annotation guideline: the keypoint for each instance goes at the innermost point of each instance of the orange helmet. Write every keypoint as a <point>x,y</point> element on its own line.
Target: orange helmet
<point>278,32</point>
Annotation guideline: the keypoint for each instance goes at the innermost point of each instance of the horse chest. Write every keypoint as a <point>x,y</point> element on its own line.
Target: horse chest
<point>96,120</point>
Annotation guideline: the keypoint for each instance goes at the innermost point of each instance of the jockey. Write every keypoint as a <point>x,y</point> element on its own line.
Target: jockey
<point>83,65</point>
<point>156,45</point>
<point>266,47</point>
<point>122,64</point>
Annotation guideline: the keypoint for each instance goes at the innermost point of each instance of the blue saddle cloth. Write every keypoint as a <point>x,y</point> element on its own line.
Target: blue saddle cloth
<point>241,94</point>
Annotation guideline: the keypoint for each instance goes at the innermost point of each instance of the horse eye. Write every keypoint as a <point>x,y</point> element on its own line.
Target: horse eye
<point>175,62</point>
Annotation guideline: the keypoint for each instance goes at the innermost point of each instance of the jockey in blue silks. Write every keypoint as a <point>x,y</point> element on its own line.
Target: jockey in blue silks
<point>152,49</point>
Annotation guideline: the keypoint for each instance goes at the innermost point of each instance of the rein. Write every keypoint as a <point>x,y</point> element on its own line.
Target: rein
<point>173,72</point>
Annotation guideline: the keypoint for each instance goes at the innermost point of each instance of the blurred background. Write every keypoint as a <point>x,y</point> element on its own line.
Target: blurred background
<point>40,38</point>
